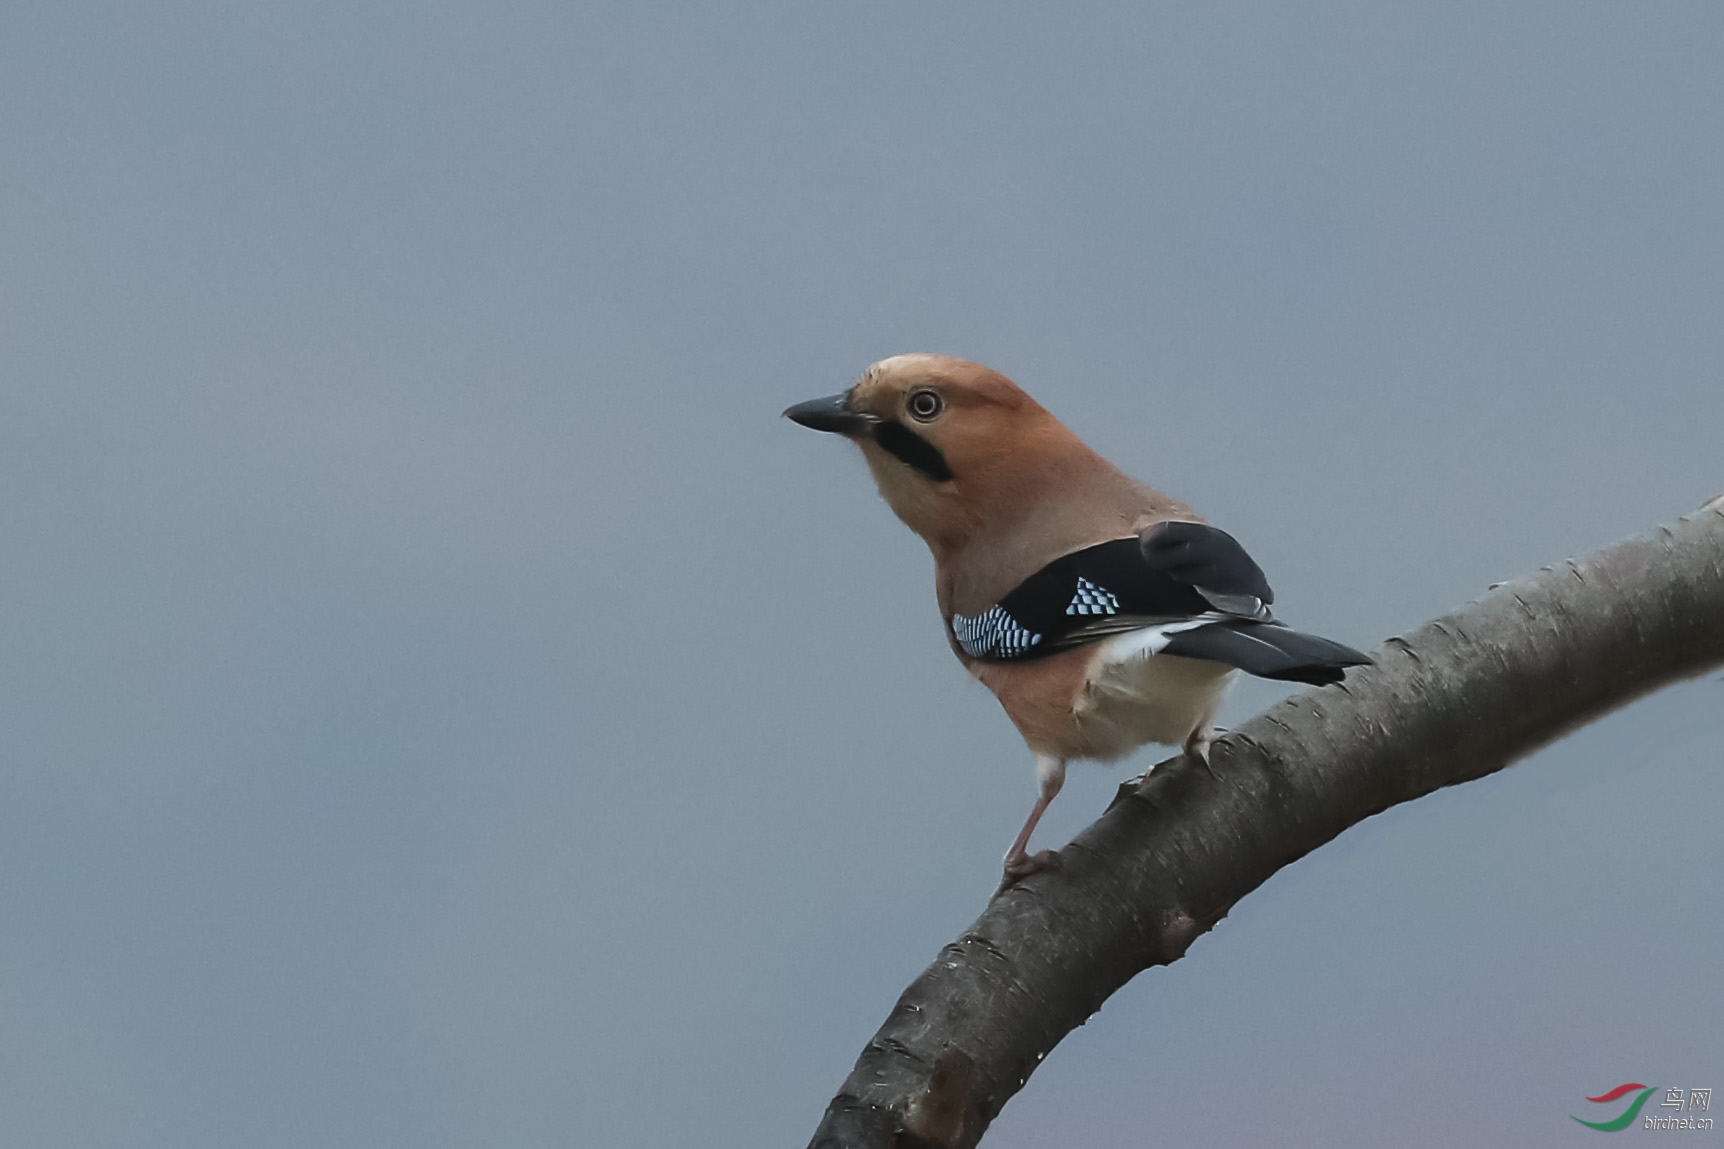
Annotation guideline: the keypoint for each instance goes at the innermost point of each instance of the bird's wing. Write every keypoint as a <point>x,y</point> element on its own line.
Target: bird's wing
<point>1180,588</point>
<point>1174,573</point>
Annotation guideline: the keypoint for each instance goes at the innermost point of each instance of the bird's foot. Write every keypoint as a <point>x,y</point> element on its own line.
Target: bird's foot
<point>1020,866</point>
<point>1197,746</point>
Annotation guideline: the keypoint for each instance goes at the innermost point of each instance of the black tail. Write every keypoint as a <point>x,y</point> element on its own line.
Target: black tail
<point>1268,650</point>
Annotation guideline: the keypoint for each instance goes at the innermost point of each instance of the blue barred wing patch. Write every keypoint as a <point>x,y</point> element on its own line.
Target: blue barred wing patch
<point>1091,599</point>
<point>992,634</point>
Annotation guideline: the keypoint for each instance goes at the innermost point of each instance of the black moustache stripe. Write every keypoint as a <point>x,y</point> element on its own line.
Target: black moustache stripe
<point>898,440</point>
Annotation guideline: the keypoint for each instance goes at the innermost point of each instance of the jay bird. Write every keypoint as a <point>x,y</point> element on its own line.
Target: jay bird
<point>1101,613</point>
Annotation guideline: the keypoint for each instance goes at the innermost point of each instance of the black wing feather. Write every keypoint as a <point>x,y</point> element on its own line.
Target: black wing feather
<point>1212,562</point>
<point>1268,650</point>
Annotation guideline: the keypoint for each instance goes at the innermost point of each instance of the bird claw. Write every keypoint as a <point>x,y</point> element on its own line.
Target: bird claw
<point>1022,866</point>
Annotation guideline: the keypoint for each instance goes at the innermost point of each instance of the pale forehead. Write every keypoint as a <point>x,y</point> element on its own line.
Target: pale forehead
<point>902,368</point>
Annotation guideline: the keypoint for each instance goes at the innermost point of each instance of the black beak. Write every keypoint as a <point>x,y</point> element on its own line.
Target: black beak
<point>829,414</point>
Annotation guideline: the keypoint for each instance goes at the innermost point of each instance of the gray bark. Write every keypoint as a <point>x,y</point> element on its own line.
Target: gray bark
<point>1458,699</point>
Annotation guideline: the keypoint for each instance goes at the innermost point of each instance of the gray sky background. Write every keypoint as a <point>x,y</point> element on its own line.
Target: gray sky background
<point>444,704</point>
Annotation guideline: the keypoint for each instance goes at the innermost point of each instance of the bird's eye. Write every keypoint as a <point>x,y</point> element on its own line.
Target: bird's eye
<point>925,405</point>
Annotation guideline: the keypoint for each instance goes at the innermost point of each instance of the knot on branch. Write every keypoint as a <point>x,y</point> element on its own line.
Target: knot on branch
<point>1178,930</point>
<point>935,1116</point>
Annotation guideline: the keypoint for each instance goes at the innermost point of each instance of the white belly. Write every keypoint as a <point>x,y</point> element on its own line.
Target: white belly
<point>1131,697</point>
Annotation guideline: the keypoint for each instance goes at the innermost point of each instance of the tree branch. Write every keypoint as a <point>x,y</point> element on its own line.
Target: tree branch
<point>1458,699</point>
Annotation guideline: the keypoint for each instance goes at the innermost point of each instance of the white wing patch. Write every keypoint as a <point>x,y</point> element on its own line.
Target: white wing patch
<point>1151,640</point>
<point>1091,599</point>
<point>992,634</point>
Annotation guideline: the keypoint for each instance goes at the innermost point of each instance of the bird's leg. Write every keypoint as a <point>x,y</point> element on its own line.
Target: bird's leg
<point>1051,774</point>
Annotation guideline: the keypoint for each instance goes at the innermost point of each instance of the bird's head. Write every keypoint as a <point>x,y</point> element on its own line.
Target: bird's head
<point>954,446</point>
